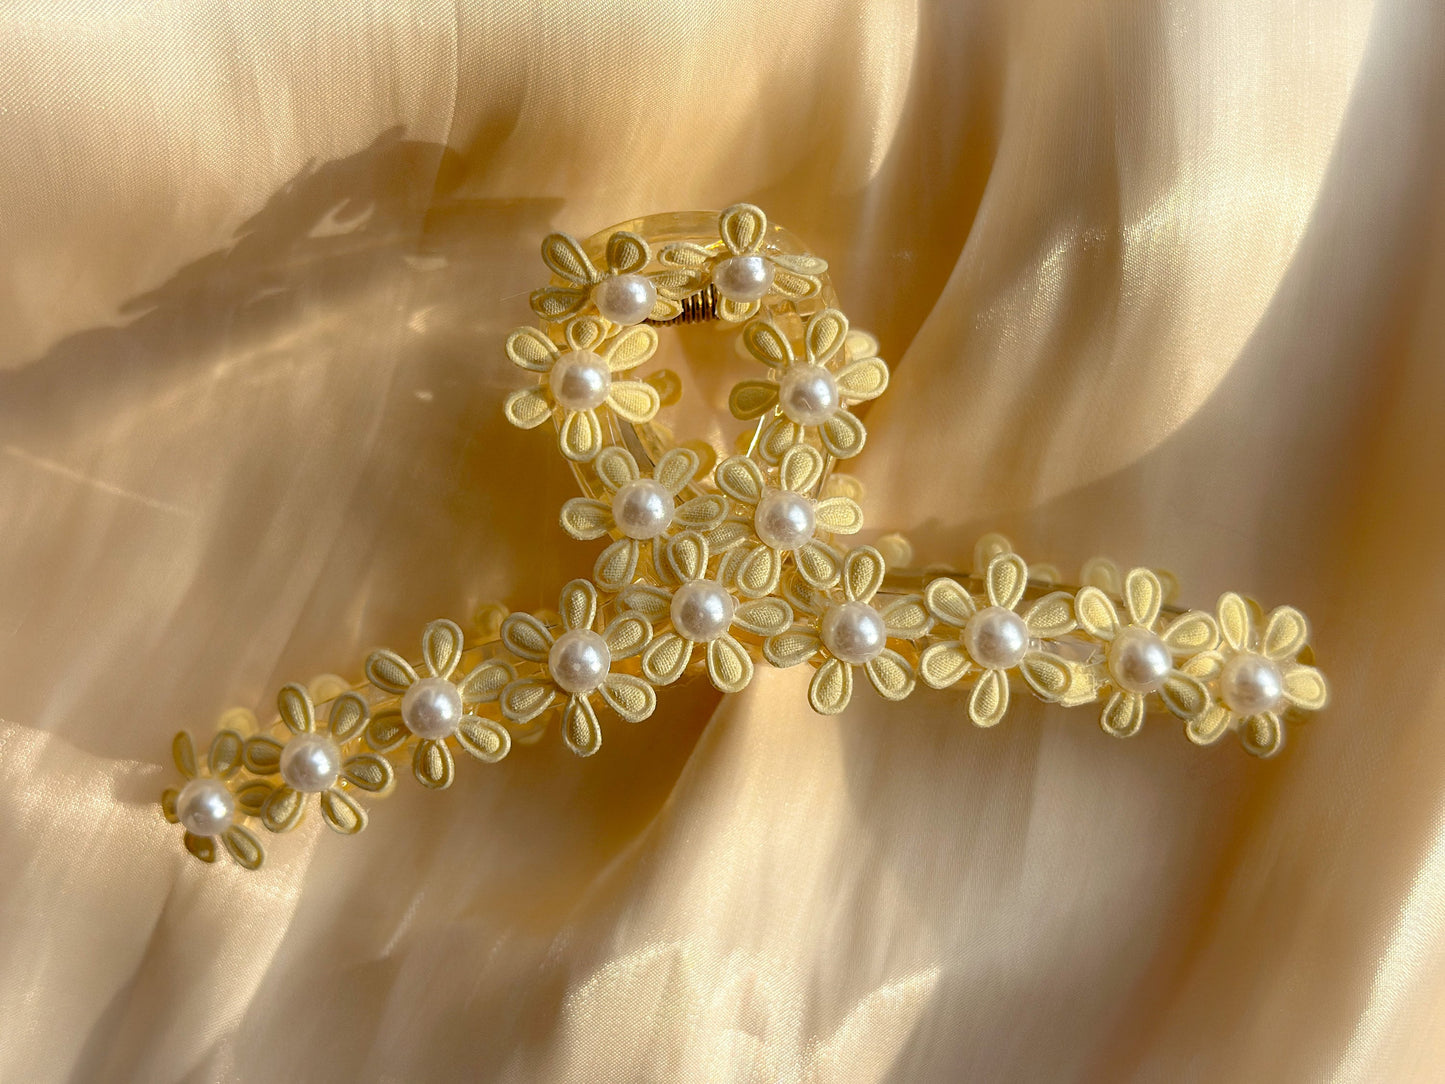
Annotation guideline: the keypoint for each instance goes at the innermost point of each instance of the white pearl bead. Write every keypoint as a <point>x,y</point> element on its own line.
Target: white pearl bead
<point>642,509</point>
<point>702,610</point>
<point>205,807</point>
<point>580,380</point>
<point>996,638</point>
<point>310,763</point>
<point>432,708</point>
<point>1139,661</point>
<point>743,278</point>
<point>854,631</point>
<point>1251,684</point>
<point>784,520</point>
<point>808,394</point>
<point>625,299</point>
<point>579,661</point>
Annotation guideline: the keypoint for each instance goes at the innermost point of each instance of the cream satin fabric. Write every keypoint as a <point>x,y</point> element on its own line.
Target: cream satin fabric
<point>1163,281</point>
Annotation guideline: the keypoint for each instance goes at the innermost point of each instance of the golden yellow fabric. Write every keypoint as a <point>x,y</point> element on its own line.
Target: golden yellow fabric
<point>1158,280</point>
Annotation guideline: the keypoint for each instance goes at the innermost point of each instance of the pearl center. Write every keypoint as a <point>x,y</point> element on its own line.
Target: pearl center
<point>854,632</point>
<point>996,638</point>
<point>808,394</point>
<point>579,661</point>
<point>310,763</point>
<point>625,299</point>
<point>784,520</point>
<point>642,509</point>
<point>702,610</point>
<point>432,708</point>
<point>205,807</point>
<point>1251,684</point>
<point>1139,661</point>
<point>580,380</point>
<point>743,278</point>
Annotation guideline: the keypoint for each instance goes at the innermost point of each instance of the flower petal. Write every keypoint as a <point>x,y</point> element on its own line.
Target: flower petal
<point>627,253</point>
<point>432,764</point>
<point>665,658</point>
<point>557,302</point>
<point>819,564</point>
<point>842,435</point>
<point>890,674</point>
<point>529,348</point>
<point>630,697</point>
<point>283,810</point>
<point>1262,735</point>
<point>686,555</point>
<point>728,664</point>
<point>1305,688</point>
<point>389,672</point>
<point>1104,574</point>
<point>989,699</point>
<point>805,264</point>
<point>793,286</point>
<point>580,438</point>
<point>528,408</point>
<point>203,847</point>
<point>943,663</point>
<point>863,380</point>
<point>1097,613</point>
<point>684,254</point>
<point>368,772</point>
<point>1236,625</point>
<point>1185,696</point>
<point>183,752</point>
<point>751,399</point>
<point>1143,595</point>
<point>838,515</point>
<point>578,605</point>
<point>791,647</point>
<point>626,635</point>
<point>584,518</point>
<point>251,797</point>
<point>765,342</point>
<point>349,714</point>
<point>441,647</point>
<point>728,534</point>
<point>1051,616</point>
<point>676,469</point>
<point>526,698</point>
<point>261,755</point>
<point>526,637</point>
<point>906,618</point>
<point>580,729</point>
<point>764,616</point>
<point>701,513</point>
<point>1285,633</point>
<point>1191,633</point>
<point>485,739</point>
<point>1047,675</point>
<point>863,572</point>
<point>831,687</point>
<point>385,732</point>
<point>757,574</point>
<point>948,602</point>
<point>565,258</point>
<point>741,479</point>
<point>824,334</point>
<point>1123,714</point>
<point>800,468</point>
<point>485,681</point>
<point>341,812</point>
<point>1005,580</point>
<point>630,349</point>
<point>244,847</point>
<point>777,437</point>
<point>293,703</point>
<point>1206,666</point>
<point>653,603</point>
<point>225,756</point>
<point>1208,727</point>
<point>742,228</point>
<point>616,565</point>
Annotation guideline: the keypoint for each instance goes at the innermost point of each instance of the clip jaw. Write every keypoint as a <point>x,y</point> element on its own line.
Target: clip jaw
<point>714,561</point>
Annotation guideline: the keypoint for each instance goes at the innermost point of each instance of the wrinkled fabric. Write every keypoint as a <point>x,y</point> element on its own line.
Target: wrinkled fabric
<point>1161,281</point>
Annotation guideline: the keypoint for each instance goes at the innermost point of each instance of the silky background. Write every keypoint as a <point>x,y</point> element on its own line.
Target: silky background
<point>1160,280</point>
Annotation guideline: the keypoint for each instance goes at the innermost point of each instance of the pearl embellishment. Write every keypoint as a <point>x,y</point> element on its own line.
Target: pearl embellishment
<point>784,520</point>
<point>580,380</point>
<point>310,763</point>
<point>854,632</point>
<point>808,394</point>
<point>642,509</point>
<point>1139,661</point>
<point>996,638</point>
<point>579,661</point>
<point>743,278</point>
<point>205,807</point>
<point>432,708</point>
<point>702,610</point>
<point>625,299</point>
<point>1251,684</point>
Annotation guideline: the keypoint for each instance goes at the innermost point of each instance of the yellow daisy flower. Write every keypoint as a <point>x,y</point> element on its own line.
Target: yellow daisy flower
<point>577,664</point>
<point>1140,662</point>
<point>851,631</point>
<point>783,519</point>
<point>640,510</point>
<point>207,806</point>
<point>313,760</point>
<point>814,393</point>
<point>701,610</point>
<point>1257,676</point>
<point>744,268</point>
<point>579,380</point>
<point>995,639</point>
<point>622,292</point>
<point>433,709</point>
